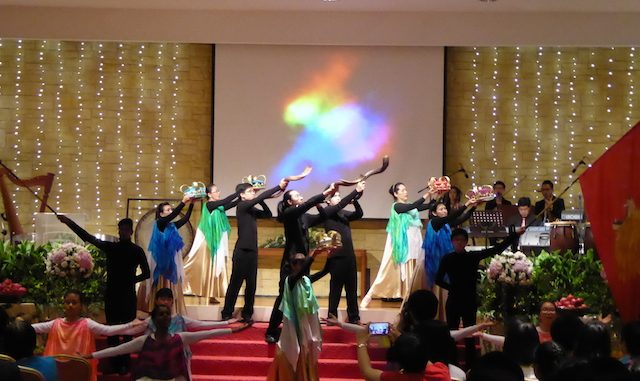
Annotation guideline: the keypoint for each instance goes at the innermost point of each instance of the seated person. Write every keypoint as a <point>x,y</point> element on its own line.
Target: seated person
<point>23,338</point>
<point>498,189</point>
<point>550,204</point>
<point>525,216</point>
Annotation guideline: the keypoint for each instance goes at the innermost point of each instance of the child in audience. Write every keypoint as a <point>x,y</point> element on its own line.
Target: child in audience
<point>75,334</point>
<point>161,353</point>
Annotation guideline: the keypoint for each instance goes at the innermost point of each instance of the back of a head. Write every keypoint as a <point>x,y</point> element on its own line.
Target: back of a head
<point>565,330</point>
<point>548,357</point>
<point>495,366</point>
<point>422,305</point>
<point>20,339</point>
<point>407,351</point>
<point>594,340</point>
<point>436,339</point>
<point>595,369</point>
<point>521,341</point>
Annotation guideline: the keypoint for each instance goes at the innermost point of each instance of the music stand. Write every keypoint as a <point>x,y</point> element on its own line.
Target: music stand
<point>486,222</point>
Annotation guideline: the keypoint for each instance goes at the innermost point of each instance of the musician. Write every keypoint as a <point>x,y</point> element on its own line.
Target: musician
<point>524,216</point>
<point>498,189</point>
<point>550,204</point>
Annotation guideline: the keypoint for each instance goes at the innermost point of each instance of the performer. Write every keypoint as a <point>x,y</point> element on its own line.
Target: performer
<point>245,253</point>
<point>75,334</point>
<point>402,248</point>
<point>452,199</point>
<point>461,268</point>
<point>292,212</point>
<point>161,353</point>
<point>301,340</point>
<point>437,239</point>
<point>123,259</point>
<point>342,263</point>
<point>498,189</point>
<point>166,253</point>
<point>205,268</point>
<point>524,216</point>
<point>550,204</point>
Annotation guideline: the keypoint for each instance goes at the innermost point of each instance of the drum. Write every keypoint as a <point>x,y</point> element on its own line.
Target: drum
<point>564,236</point>
<point>144,228</point>
<point>588,238</point>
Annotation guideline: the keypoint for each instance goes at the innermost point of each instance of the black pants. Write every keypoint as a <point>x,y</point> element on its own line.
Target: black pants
<point>119,308</point>
<point>276,314</point>
<point>343,274</point>
<point>244,269</point>
<point>466,310</point>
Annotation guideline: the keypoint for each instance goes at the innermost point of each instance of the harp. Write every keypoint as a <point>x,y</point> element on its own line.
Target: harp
<point>44,181</point>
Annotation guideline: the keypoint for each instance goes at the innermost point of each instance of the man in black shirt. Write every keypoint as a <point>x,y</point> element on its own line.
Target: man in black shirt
<point>123,259</point>
<point>245,254</point>
<point>550,206</point>
<point>498,189</point>
<point>458,273</point>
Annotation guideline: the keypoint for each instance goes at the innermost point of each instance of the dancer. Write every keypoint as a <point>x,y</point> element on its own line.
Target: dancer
<point>166,253</point>
<point>301,340</point>
<point>437,239</point>
<point>123,259</point>
<point>161,354</point>
<point>292,213</point>
<point>245,253</point>
<point>342,263</point>
<point>75,334</point>
<point>179,323</point>
<point>402,248</point>
<point>205,267</point>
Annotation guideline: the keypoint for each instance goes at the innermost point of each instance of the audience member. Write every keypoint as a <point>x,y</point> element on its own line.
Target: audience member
<point>22,337</point>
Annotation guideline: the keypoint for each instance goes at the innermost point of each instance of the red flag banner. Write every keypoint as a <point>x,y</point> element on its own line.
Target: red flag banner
<point>611,189</point>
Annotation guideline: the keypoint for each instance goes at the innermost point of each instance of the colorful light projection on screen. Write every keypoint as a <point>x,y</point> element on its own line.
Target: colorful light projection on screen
<point>334,131</point>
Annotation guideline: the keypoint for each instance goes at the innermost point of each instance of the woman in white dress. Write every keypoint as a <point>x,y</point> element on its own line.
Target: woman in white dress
<point>205,266</point>
<point>403,249</point>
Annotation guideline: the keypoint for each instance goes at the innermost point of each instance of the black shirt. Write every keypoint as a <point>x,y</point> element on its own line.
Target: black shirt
<point>455,217</point>
<point>492,204</point>
<point>164,221</point>
<point>462,270</point>
<point>246,214</point>
<point>123,259</point>
<point>228,202</point>
<point>296,226</point>
<point>555,213</point>
<point>419,204</point>
<point>338,220</point>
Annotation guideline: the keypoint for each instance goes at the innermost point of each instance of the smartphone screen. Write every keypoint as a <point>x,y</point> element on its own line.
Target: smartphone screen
<point>379,328</point>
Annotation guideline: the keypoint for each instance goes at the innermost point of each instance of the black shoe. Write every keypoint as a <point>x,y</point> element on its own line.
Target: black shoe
<point>246,320</point>
<point>270,339</point>
<point>226,317</point>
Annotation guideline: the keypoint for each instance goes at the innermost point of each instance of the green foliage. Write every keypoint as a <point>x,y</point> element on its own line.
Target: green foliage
<point>315,235</point>
<point>554,275</point>
<point>24,263</point>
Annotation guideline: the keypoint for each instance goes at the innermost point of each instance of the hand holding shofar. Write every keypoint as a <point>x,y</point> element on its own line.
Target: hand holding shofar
<point>30,190</point>
<point>366,175</point>
<point>287,179</point>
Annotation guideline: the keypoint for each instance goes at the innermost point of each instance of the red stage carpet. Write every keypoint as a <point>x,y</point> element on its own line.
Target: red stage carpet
<point>246,356</point>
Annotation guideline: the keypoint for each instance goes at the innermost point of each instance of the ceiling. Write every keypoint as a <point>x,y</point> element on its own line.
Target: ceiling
<point>583,6</point>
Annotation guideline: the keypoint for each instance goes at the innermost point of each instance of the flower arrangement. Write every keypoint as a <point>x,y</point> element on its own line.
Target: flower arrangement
<point>69,260</point>
<point>510,268</point>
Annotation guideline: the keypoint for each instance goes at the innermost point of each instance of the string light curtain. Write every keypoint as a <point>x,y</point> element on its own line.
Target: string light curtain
<point>526,114</point>
<point>111,120</point>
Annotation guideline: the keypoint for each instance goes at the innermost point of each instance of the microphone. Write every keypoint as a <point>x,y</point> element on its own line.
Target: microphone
<point>581,162</point>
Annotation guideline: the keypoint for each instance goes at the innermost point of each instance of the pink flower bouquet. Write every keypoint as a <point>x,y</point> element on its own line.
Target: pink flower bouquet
<point>69,260</point>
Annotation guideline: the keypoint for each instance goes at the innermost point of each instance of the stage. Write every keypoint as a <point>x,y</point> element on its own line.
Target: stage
<point>377,311</point>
